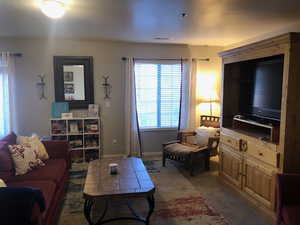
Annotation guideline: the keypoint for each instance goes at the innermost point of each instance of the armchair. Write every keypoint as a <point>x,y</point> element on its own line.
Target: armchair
<point>288,199</point>
<point>188,153</point>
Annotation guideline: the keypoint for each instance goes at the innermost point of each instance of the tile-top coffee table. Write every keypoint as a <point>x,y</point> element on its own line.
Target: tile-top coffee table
<point>132,181</point>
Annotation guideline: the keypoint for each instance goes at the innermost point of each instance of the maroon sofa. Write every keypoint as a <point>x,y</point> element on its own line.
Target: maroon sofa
<point>50,179</point>
<point>288,199</point>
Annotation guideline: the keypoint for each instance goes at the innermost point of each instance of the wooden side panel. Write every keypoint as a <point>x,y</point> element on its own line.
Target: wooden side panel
<point>291,163</point>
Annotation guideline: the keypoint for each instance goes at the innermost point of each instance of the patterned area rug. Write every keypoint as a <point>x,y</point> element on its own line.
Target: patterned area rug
<point>177,201</point>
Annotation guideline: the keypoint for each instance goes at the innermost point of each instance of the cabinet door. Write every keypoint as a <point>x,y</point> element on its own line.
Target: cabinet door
<point>259,182</point>
<point>230,167</point>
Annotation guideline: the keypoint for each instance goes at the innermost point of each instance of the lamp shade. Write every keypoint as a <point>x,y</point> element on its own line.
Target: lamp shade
<point>209,96</point>
<point>206,88</point>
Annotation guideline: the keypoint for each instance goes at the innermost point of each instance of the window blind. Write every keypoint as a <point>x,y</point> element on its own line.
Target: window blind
<point>158,94</point>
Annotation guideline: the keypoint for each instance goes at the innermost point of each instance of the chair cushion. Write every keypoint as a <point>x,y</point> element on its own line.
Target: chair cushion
<point>181,149</point>
<point>11,138</point>
<point>290,214</point>
<point>203,134</point>
<point>6,162</point>
<point>47,187</point>
<point>53,170</point>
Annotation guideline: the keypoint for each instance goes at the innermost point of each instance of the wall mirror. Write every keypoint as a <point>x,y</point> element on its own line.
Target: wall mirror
<point>73,77</point>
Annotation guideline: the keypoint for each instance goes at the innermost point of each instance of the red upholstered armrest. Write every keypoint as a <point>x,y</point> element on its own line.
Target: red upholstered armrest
<point>58,150</point>
<point>36,216</point>
<point>288,186</point>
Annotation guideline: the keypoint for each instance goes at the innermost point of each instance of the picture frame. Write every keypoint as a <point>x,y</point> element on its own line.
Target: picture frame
<point>68,76</point>
<point>69,88</point>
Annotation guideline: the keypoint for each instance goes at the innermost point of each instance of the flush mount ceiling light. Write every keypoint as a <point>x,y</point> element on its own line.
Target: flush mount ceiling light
<point>53,8</point>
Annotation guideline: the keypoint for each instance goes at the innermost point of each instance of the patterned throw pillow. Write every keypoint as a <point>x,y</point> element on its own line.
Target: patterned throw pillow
<point>2,183</point>
<point>41,150</point>
<point>25,157</point>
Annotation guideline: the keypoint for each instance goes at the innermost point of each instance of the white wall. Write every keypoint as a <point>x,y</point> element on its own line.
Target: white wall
<point>33,114</point>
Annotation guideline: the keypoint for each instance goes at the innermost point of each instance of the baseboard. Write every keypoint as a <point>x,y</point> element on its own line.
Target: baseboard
<point>113,156</point>
<point>123,155</point>
<point>152,153</point>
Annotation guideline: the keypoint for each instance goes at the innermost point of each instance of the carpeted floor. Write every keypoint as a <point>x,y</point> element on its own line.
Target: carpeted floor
<point>180,199</point>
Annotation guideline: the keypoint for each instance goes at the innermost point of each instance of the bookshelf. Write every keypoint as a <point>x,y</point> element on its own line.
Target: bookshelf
<point>83,135</point>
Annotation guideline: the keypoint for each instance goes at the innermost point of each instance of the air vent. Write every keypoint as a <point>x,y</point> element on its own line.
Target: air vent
<point>161,38</point>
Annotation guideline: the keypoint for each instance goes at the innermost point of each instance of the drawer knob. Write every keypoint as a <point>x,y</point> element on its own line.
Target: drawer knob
<point>229,141</point>
<point>243,145</point>
<point>261,154</point>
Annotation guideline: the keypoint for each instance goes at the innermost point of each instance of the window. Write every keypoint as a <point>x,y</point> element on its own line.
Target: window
<point>4,104</point>
<point>158,94</point>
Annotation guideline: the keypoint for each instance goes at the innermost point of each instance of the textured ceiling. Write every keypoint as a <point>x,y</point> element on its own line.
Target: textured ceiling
<point>208,22</point>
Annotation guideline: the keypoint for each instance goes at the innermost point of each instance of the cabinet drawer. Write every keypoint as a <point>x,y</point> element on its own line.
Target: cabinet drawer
<point>230,141</point>
<point>263,153</point>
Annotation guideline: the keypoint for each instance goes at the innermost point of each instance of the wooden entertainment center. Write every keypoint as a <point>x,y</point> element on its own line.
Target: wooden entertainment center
<point>252,153</point>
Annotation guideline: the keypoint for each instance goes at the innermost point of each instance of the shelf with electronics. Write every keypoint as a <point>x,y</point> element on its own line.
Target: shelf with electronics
<point>83,135</point>
<point>260,117</point>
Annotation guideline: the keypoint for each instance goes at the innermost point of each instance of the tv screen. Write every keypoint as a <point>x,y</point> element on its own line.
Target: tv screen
<point>267,88</point>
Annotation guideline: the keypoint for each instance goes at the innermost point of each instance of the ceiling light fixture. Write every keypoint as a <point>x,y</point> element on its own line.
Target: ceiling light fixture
<point>53,8</point>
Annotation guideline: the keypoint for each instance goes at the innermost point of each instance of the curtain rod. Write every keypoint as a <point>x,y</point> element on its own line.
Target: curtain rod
<point>185,59</point>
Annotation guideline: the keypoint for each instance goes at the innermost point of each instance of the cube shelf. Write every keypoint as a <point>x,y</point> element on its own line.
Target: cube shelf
<point>83,135</point>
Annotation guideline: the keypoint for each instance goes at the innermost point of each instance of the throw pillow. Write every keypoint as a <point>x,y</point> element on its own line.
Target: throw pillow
<point>2,184</point>
<point>25,157</point>
<point>203,134</point>
<point>41,151</point>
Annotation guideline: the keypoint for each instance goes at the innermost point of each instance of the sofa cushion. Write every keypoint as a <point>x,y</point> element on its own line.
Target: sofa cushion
<point>47,187</point>
<point>11,138</point>
<point>290,214</point>
<point>53,170</point>
<point>6,162</point>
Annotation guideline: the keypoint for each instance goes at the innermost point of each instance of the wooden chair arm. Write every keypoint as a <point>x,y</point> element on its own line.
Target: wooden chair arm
<point>171,142</point>
<point>187,132</point>
<point>213,140</point>
<point>183,134</point>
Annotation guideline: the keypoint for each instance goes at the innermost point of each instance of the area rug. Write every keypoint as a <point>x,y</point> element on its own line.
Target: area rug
<point>177,201</point>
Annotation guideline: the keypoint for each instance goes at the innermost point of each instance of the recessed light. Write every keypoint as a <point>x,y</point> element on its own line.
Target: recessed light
<point>53,8</point>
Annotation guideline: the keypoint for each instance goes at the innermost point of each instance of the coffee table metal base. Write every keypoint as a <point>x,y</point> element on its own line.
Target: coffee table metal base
<point>89,204</point>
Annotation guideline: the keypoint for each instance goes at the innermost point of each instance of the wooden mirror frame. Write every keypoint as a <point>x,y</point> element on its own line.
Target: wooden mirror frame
<point>87,62</point>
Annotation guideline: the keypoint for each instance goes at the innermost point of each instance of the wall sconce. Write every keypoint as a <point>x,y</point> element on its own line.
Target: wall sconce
<point>41,86</point>
<point>107,91</point>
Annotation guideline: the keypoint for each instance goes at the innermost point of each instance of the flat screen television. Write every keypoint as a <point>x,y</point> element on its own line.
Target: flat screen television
<point>265,88</point>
